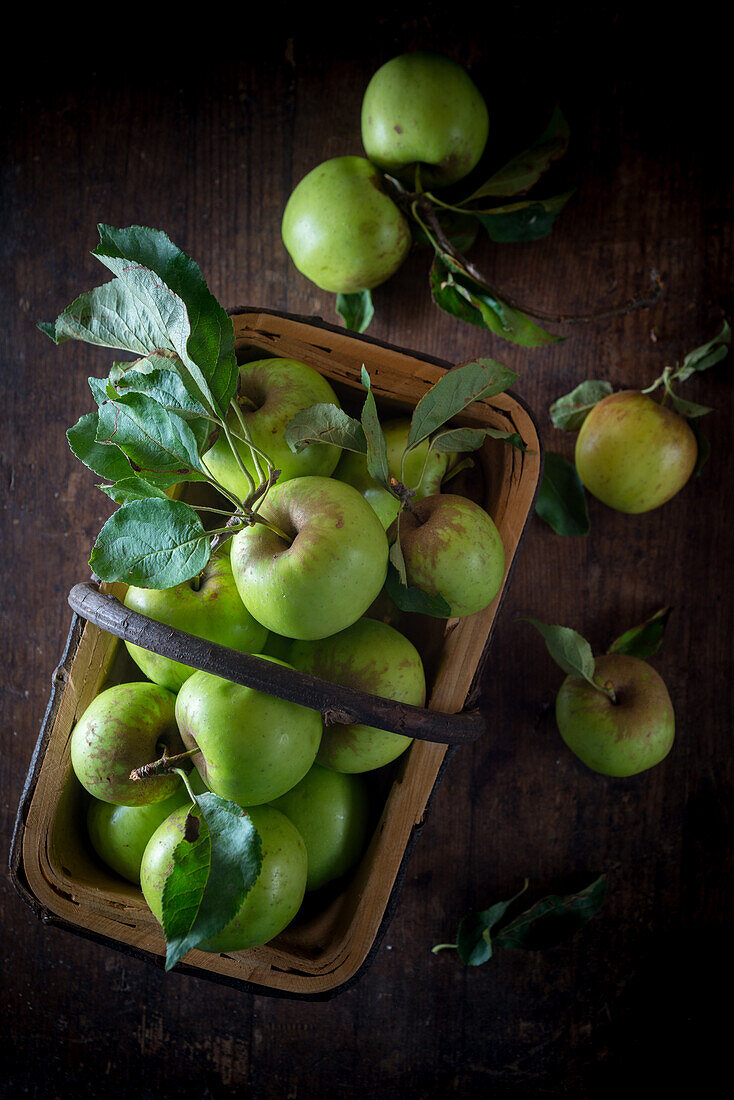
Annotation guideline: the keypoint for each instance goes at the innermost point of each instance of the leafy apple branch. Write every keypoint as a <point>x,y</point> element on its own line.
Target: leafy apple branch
<point>157,416</point>
<point>458,287</point>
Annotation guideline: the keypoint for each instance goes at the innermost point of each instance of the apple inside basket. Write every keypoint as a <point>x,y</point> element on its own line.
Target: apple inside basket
<point>330,940</point>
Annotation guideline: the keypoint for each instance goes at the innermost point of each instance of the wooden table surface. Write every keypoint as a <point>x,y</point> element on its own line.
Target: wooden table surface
<point>207,144</point>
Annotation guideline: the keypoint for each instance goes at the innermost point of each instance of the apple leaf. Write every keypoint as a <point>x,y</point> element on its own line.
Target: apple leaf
<point>161,377</point>
<point>457,293</point>
<point>454,392</point>
<point>561,499</point>
<point>524,170</point>
<point>553,919</point>
<point>154,543</point>
<point>376,444</point>
<point>411,598</point>
<point>356,310</point>
<point>202,335</point>
<point>325,423</point>
<point>109,317</point>
<point>706,356</point>
<point>570,411</point>
<point>211,876</point>
<point>522,221</point>
<point>548,922</point>
<point>132,488</point>
<point>568,649</point>
<point>104,459</point>
<point>643,640</point>
<point>688,409</point>
<point>154,440</point>
<point>458,440</point>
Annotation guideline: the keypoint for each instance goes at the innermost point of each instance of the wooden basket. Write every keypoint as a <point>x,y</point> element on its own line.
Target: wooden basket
<point>52,863</point>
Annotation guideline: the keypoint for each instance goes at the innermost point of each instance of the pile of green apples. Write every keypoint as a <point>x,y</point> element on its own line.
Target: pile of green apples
<point>298,591</point>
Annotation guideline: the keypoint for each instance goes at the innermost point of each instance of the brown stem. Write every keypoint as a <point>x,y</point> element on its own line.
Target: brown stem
<point>165,765</point>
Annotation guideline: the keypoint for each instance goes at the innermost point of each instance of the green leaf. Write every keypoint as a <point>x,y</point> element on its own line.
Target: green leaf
<point>201,334</point>
<point>553,919</point>
<point>462,297</point>
<point>687,409</point>
<point>561,499</point>
<point>162,377</point>
<point>104,459</point>
<point>523,171</point>
<point>132,488</point>
<point>109,317</point>
<point>325,423</point>
<point>156,543</point>
<point>643,640</point>
<point>474,937</point>
<point>155,441</point>
<point>411,598</point>
<point>570,411</point>
<point>706,356</point>
<point>458,440</point>
<point>211,876</point>
<point>377,463</point>
<point>522,221</point>
<point>568,649</point>
<point>356,310</point>
<point>454,392</point>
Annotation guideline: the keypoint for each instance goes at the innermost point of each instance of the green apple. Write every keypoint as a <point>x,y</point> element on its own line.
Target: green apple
<point>252,747</point>
<point>424,109</point>
<point>617,738</point>
<point>452,549</point>
<point>119,834</point>
<point>633,453</point>
<point>370,656</point>
<point>271,392</point>
<point>342,231</point>
<point>208,606</point>
<point>331,812</point>
<point>352,468</point>
<point>326,577</point>
<point>271,903</point>
<point>125,727</point>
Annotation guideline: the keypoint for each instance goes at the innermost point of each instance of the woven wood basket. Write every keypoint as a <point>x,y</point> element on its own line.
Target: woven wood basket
<point>330,942</point>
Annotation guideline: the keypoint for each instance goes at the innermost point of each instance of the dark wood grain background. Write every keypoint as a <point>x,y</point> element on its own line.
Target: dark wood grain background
<point>205,135</point>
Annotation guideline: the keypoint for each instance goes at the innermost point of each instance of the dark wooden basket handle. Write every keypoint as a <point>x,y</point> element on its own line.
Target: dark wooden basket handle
<point>337,704</point>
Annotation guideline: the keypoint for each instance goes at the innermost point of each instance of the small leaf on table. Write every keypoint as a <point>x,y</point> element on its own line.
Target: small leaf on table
<point>356,310</point>
<point>522,221</point>
<point>553,919</point>
<point>706,356</point>
<point>561,499</point>
<point>643,640</point>
<point>568,649</point>
<point>524,170</point>
<point>570,411</point>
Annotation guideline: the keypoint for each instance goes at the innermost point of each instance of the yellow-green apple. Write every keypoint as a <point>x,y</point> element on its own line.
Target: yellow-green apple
<point>119,834</point>
<point>424,109</point>
<point>633,453</point>
<point>341,229</point>
<point>208,606</point>
<point>330,810</point>
<point>453,549</point>
<point>270,904</point>
<point>125,727</point>
<point>370,656</point>
<point>624,736</point>
<point>352,468</point>
<point>328,569</point>
<point>271,392</point>
<point>252,747</point>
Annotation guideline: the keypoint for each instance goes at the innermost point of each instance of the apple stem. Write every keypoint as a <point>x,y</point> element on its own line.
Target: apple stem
<point>165,765</point>
<point>609,690</point>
